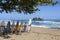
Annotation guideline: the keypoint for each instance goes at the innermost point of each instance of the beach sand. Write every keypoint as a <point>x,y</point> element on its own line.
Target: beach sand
<point>36,33</point>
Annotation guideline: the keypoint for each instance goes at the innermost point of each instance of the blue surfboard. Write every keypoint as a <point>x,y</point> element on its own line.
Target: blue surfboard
<point>8,29</point>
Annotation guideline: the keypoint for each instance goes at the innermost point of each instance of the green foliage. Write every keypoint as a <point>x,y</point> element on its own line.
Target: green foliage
<point>26,6</point>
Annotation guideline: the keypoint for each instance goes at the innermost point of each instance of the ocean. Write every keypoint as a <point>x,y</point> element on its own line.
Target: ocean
<point>47,23</point>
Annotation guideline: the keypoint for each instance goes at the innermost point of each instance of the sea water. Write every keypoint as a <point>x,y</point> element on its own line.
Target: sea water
<point>47,23</point>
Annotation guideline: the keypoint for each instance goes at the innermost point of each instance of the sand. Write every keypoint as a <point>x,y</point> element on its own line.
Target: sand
<point>36,33</point>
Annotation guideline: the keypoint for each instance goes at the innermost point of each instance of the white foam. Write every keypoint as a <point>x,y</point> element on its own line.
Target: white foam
<point>39,26</point>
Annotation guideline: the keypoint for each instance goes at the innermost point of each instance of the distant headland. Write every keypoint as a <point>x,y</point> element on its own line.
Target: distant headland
<point>37,19</point>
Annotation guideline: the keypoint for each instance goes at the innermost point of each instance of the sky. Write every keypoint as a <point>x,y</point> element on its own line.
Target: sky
<point>46,12</point>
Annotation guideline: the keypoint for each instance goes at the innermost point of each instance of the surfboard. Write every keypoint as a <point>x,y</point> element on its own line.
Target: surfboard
<point>16,27</point>
<point>8,29</point>
<point>25,26</point>
<point>13,27</point>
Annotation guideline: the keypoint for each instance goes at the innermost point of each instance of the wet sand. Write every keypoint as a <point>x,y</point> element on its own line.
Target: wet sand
<point>36,33</point>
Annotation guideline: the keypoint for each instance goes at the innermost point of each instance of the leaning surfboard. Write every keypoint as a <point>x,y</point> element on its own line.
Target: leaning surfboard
<point>8,29</point>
